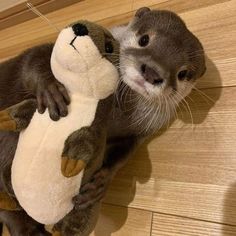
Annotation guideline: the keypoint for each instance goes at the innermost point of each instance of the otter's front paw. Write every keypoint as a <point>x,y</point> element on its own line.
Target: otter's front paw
<point>53,95</point>
<point>71,167</point>
<point>6,121</point>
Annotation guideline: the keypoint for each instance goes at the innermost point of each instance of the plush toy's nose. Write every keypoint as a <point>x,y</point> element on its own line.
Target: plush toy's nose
<point>80,29</point>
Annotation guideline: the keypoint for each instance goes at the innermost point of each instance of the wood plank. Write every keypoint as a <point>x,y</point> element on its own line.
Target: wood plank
<point>218,37</point>
<point>165,225</point>
<point>12,7</point>
<point>7,4</point>
<point>20,13</point>
<point>175,5</point>
<point>187,172</point>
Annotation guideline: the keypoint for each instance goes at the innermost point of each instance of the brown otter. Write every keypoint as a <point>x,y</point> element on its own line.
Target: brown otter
<point>160,61</point>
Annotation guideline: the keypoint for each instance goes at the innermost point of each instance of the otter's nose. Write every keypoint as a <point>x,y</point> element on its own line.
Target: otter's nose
<point>80,29</point>
<point>151,76</point>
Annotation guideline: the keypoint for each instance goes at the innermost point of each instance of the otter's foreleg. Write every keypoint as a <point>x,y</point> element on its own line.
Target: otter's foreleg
<point>17,117</point>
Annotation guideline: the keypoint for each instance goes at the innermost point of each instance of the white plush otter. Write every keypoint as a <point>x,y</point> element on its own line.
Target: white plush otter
<point>44,184</point>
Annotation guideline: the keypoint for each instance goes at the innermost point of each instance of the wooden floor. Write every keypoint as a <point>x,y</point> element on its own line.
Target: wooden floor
<point>182,182</point>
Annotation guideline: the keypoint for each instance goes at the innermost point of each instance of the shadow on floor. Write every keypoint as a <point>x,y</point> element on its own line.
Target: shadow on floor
<point>127,193</point>
<point>206,97</point>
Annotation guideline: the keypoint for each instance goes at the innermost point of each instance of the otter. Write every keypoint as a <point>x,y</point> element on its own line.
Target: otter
<point>160,62</point>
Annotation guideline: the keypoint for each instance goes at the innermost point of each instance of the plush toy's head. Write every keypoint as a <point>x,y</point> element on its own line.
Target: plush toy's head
<point>84,58</point>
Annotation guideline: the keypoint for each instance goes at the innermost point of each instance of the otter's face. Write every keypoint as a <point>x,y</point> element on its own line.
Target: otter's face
<point>160,57</point>
<point>82,59</point>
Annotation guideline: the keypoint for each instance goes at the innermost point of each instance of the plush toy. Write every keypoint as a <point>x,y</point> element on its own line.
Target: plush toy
<point>44,184</point>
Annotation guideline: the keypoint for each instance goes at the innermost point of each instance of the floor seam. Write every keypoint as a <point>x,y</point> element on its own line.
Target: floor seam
<point>169,214</point>
<point>151,223</point>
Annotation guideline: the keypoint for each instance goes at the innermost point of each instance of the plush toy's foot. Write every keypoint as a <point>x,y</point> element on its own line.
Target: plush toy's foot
<point>17,117</point>
<point>56,233</point>
<point>6,121</point>
<point>71,167</point>
<point>7,203</point>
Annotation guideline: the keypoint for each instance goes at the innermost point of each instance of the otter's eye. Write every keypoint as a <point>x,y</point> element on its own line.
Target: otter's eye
<point>182,74</point>
<point>190,75</point>
<point>144,41</point>
<point>109,47</point>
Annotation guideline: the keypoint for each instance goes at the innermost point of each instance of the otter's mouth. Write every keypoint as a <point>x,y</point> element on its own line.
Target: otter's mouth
<point>140,82</point>
<point>137,85</point>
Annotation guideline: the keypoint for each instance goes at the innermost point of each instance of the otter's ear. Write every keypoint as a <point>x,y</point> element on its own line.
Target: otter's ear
<point>142,11</point>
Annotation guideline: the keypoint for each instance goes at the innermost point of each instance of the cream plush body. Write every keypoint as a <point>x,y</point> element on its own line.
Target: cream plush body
<point>38,183</point>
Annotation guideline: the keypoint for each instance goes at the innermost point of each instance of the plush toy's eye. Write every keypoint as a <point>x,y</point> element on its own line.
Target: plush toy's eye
<point>109,47</point>
<point>144,41</point>
<point>182,74</point>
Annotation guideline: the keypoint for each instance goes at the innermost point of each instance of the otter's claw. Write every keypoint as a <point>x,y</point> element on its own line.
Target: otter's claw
<point>53,95</point>
<point>6,121</point>
<point>93,191</point>
<point>71,167</point>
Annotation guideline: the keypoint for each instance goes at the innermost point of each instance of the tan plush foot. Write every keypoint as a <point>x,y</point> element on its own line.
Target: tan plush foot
<point>71,167</point>
<point>7,203</point>
<point>56,233</point>
<point>6,122</point>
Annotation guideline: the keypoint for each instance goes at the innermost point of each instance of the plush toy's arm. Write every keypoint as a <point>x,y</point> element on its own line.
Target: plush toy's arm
<point>85,144</point>
<point>80,148</point>
<point>17,117</point>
